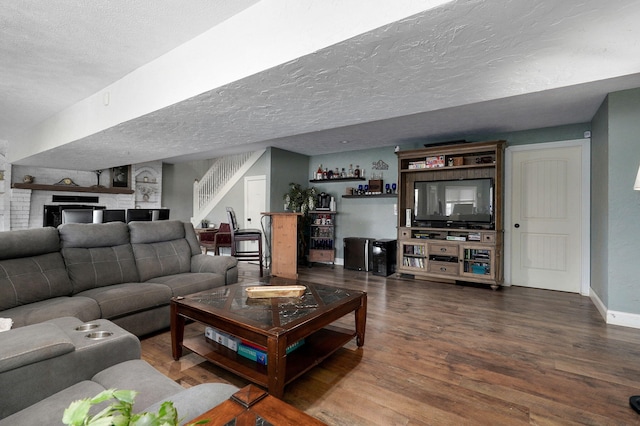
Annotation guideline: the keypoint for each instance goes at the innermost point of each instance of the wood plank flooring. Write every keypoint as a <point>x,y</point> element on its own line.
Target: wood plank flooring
<point>443,354</point>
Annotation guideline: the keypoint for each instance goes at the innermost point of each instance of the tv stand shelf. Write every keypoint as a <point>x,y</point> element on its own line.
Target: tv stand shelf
<point>452,250</point>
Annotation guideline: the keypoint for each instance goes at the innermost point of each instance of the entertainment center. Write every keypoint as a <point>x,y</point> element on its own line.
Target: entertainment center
<point>450,225</point>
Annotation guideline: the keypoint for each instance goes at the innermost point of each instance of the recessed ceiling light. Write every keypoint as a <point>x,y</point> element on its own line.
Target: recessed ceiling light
<point>344,141</point>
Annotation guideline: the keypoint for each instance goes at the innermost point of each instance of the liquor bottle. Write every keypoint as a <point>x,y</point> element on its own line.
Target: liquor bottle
<point>343,174</point>
<point>324,174</point>
<point>356,172</point>
<point>329,174</point>
<point>350,170</point>
<point>319,172</point>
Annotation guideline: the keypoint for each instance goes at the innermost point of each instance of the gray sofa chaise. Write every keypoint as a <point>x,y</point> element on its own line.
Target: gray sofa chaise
<point>46,366</point>
<point>126,273</point>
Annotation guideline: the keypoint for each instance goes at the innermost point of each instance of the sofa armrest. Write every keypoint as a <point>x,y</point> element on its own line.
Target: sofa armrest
<point>52,356</point>
<point>224,265</point>
<point>31,344</point>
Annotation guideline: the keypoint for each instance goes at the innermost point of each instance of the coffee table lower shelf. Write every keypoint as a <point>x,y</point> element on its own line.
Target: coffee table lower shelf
<point>317,347</point>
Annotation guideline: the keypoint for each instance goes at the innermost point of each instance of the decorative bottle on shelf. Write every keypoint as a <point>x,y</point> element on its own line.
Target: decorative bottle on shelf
<point>356,172</point>
<point>324,174</point>
<point>350,170</point>
<point>329,174</point>
<point>332,204</point>
<point>319,172</point>
<point>343,174</point>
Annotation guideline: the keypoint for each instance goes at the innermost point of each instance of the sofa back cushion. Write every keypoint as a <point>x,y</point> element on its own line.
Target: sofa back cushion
<point>32,279</point>
<point>160,248</point>
<point>31,267</point>
<point>97,255</point>
<point>29,242</point>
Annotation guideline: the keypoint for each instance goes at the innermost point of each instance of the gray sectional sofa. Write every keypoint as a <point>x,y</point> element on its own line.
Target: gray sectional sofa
<point>46,366</point>
<point>126,273</point>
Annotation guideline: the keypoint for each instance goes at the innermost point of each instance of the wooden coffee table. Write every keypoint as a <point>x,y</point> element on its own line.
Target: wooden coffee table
<point>253,406</point>
<point>274,324</point>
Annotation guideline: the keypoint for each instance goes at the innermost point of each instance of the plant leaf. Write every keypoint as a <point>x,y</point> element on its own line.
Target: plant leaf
<point>76,412</point>
<point>105,421</point>
<point>102,396</point>
<point>125,395</point>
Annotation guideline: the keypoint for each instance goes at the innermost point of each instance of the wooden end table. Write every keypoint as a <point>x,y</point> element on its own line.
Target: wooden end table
<point>253,406</point>
<point>275,324</point>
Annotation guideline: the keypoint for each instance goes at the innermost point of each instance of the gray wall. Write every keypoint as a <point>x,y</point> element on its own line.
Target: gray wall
<point>177,187</point>
<point>235,197</point>
<point>615,158</point>
<point>600,202</point>
<point>523,137</point>
<point>359,217</point>
<point>286,167</point>
<point>622,202</point>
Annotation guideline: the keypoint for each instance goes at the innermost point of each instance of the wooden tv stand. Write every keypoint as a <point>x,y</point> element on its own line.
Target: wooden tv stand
<point>451,254</point>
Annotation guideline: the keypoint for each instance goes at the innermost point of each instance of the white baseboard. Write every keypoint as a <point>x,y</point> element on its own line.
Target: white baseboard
<point>624,319</point>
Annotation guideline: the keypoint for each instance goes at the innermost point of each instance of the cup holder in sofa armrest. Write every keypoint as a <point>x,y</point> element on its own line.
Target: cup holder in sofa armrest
<point>97,335</point>
<point>32,343</point>
<point>88,326</point>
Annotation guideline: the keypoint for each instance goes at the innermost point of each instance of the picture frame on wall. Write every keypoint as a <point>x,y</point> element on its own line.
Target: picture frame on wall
<point>121,176</point>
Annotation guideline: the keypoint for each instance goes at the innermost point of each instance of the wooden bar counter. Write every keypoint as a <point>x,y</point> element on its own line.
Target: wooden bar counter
<point>284,244</point>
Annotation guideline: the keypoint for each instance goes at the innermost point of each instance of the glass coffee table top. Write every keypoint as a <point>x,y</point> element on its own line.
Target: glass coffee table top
<point>232,301</point>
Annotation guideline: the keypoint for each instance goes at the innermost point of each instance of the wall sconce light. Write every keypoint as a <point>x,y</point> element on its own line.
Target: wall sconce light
<point>636,186</point>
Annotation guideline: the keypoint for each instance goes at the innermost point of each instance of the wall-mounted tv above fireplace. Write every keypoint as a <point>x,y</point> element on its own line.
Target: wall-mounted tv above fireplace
<point>466,203</point>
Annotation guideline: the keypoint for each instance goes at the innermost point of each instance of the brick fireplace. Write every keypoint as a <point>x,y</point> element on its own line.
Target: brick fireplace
<point>28,205</point>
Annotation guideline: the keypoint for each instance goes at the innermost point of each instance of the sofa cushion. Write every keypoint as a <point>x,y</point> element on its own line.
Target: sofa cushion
<point>138,375</point>
<point>89,235</point>
<point>162,258</point>
<point>83,308</point>
<point>29,242</point>
<point>100,266</point>
<point>123,299</point>
<point>197,400</point>
<point>97,255</point>
<point>183,284</point>
<point>45,411</point>
<point>31,344</point>
<point>32,279</point>
<point>156,231</point>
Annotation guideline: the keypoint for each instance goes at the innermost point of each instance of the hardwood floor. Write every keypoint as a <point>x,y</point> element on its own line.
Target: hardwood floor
<point>441,354</point>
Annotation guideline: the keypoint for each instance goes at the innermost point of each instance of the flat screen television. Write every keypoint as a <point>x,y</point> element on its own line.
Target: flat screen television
<point>466,203</point>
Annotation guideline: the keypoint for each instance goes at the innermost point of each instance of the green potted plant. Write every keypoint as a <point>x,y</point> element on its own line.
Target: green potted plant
<point>299,199</point>
<point>119,412</point>
<point>302,200</point>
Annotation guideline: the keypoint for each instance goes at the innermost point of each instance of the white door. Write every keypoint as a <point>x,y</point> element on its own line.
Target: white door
<point>255,199</point>
<point>547,226</point>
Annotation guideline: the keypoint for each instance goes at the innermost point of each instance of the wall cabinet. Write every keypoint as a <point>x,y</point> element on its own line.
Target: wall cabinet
<point>451,250</point>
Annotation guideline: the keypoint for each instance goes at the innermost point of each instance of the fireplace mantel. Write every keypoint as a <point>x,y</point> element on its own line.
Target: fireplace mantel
<point>69,188</point>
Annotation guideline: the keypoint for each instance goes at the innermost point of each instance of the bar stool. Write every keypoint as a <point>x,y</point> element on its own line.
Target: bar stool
<point>239,235</point>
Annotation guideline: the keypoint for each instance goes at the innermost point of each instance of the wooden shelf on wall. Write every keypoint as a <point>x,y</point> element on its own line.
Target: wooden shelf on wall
<point>336,180</point>
<point>372,196</point>
<point>68,188</point>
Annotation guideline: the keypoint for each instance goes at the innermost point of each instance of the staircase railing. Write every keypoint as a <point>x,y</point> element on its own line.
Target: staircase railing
<point>218,180</point>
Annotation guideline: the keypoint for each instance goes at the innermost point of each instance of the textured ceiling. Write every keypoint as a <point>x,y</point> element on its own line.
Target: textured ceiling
<point>464,68</point>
